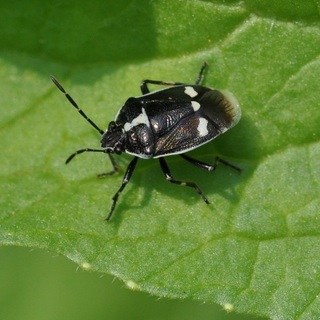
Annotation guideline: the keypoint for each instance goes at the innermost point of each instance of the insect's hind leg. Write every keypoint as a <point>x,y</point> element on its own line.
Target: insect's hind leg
<point>144,84</point>
<point>168,175</point>
<point>209,167</point>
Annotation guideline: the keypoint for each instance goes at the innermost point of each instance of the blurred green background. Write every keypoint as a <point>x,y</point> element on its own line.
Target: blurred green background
<point>39,285</point>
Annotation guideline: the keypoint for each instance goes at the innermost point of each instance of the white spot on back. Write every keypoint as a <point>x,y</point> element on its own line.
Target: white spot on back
<point>190,92</point>
<point>195,105</point>
<point>203,127</point>
<point>142,118</point>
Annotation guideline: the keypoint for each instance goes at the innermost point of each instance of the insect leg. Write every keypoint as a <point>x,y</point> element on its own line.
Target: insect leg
<point>114,165</point>
<point>201,73</point>
<point>113,162</point>
<point>144,88</point>
<point>125,180</point>
<point>167,173</point>
<point>209,167</point>
<point>82,151</point>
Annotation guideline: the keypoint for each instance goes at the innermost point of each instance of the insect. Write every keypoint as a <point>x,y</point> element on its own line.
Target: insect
<point>170,121</point>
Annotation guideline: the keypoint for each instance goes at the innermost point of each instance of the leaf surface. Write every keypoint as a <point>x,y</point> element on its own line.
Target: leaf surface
<point>256,248</point>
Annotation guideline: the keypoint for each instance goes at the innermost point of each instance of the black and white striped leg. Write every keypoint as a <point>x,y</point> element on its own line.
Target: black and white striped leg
<point>125,181</point>
<point>144,88</point>
<point>209,167</point>
<point>167,173</point>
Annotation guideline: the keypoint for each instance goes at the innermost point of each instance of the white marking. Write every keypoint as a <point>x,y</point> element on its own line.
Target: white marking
<point>140,155</point>
<point>142,118</point>
<point>195,105</point>
<point>190,92</point>
<point>203,127</point>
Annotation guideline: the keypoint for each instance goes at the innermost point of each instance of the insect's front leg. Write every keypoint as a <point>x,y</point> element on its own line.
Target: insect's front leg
<point>125,181</point>
<point>114,165</point>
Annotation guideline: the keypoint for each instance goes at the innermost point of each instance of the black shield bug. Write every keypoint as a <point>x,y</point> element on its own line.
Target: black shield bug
<point>169,121</point>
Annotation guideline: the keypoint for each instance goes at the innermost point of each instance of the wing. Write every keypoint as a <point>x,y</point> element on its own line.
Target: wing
<point>190,132</point>
<point>198,120</point>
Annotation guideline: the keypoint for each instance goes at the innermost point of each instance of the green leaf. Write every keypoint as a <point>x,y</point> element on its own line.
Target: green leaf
<point>255,249</point>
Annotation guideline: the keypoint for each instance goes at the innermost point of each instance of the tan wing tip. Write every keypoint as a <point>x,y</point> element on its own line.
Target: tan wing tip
<point>234,107</point>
